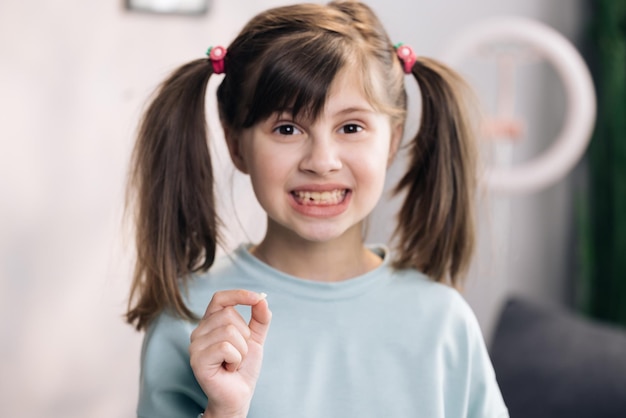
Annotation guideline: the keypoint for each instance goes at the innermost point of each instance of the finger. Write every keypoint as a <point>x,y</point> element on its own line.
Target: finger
<point>225,298</point>
<point>260,321</point>
<point>214,357</point>
<point>228,333</point>
<point>227,316</point>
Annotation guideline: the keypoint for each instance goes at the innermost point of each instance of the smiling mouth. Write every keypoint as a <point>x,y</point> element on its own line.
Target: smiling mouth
<point>326,198</point>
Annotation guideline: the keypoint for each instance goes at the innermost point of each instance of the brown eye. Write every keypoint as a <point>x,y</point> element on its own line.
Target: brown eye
<point>287,130</point>
<point>351,128</point>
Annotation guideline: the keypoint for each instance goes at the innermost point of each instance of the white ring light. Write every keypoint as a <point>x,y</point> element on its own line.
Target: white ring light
<point>571,143</point>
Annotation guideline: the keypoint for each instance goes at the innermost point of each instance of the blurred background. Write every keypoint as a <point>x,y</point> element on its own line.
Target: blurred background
<point>74,78</point>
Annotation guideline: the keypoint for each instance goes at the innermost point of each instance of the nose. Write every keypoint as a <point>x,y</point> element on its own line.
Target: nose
<point>322,156</point>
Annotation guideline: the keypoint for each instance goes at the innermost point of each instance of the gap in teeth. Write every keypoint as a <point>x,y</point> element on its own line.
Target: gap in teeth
<point>332,197</point>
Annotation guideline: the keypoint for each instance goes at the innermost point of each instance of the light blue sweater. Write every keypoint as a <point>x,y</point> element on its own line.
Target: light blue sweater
<point>386,344</point>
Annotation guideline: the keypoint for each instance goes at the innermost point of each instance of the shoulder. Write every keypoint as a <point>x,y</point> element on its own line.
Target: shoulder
<point>444,319</point>
<point>440,306</point>
<point>441,297</point>
<point>229,271</point>
<point>167,385</point>
<point>166,340</point>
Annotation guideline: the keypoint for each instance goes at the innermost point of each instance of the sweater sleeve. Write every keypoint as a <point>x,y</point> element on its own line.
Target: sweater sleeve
<point>168,388</point>
<point>485,398</point>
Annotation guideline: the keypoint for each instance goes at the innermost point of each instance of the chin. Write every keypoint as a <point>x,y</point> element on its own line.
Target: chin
<point>321,234</point>
<point>319,237</point>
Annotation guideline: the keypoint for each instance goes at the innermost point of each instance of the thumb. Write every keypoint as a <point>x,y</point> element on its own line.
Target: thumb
<point>260,321</point>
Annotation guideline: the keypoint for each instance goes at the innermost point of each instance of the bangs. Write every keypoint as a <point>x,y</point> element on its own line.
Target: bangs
<point>295,77</point>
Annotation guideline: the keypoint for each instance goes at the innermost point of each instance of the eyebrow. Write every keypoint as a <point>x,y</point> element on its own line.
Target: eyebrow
<point>356,110</point>
<point>288,113</point>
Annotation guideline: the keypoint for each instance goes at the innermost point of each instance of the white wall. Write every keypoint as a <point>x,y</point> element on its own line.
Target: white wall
<point>73,79</point>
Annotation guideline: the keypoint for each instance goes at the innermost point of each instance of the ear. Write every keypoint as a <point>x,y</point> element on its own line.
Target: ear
<point>234,148</point>
<point>396,139</point>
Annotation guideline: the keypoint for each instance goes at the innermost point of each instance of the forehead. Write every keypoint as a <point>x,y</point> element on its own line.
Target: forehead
<point>298,80</point>
<point>352,89</point>
<point>294,74</point>
<point>348,92</point>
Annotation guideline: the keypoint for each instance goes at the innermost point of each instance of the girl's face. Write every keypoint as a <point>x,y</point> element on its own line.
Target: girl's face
<point>319,179</point>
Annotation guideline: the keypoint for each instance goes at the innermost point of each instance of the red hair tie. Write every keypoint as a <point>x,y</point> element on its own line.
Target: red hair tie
<point>407,57</point>
<point>216,55</point>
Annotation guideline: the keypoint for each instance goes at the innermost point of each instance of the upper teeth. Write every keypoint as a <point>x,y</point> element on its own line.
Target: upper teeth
<point>329,197</point>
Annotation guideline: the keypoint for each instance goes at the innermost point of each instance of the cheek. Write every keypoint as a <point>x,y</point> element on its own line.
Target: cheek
<point>376,165</point>
<point>376,159</point>
<point>371,173</point>
<point>262,177</point>
<point>268,164</point>
<point>268,174</point>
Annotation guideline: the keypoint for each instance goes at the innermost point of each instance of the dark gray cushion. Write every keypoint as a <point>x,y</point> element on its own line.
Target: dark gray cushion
<point>551,364</point>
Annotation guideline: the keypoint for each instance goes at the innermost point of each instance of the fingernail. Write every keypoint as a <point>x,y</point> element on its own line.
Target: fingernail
<point>263,295</point>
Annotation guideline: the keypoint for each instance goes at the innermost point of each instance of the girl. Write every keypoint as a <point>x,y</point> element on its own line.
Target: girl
<point>313,106</point>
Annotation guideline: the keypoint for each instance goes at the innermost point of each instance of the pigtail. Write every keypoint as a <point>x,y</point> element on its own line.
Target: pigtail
<point>171,186</point>
<point>436,222</point>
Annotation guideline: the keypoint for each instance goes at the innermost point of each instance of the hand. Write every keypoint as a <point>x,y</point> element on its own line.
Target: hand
<point>226,353</point>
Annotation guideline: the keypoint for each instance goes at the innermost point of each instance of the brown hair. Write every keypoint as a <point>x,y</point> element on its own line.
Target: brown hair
<point>436,222</point>
<point>286,59</point>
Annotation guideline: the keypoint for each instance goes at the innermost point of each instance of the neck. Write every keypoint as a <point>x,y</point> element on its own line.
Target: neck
<point>330,261</point>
